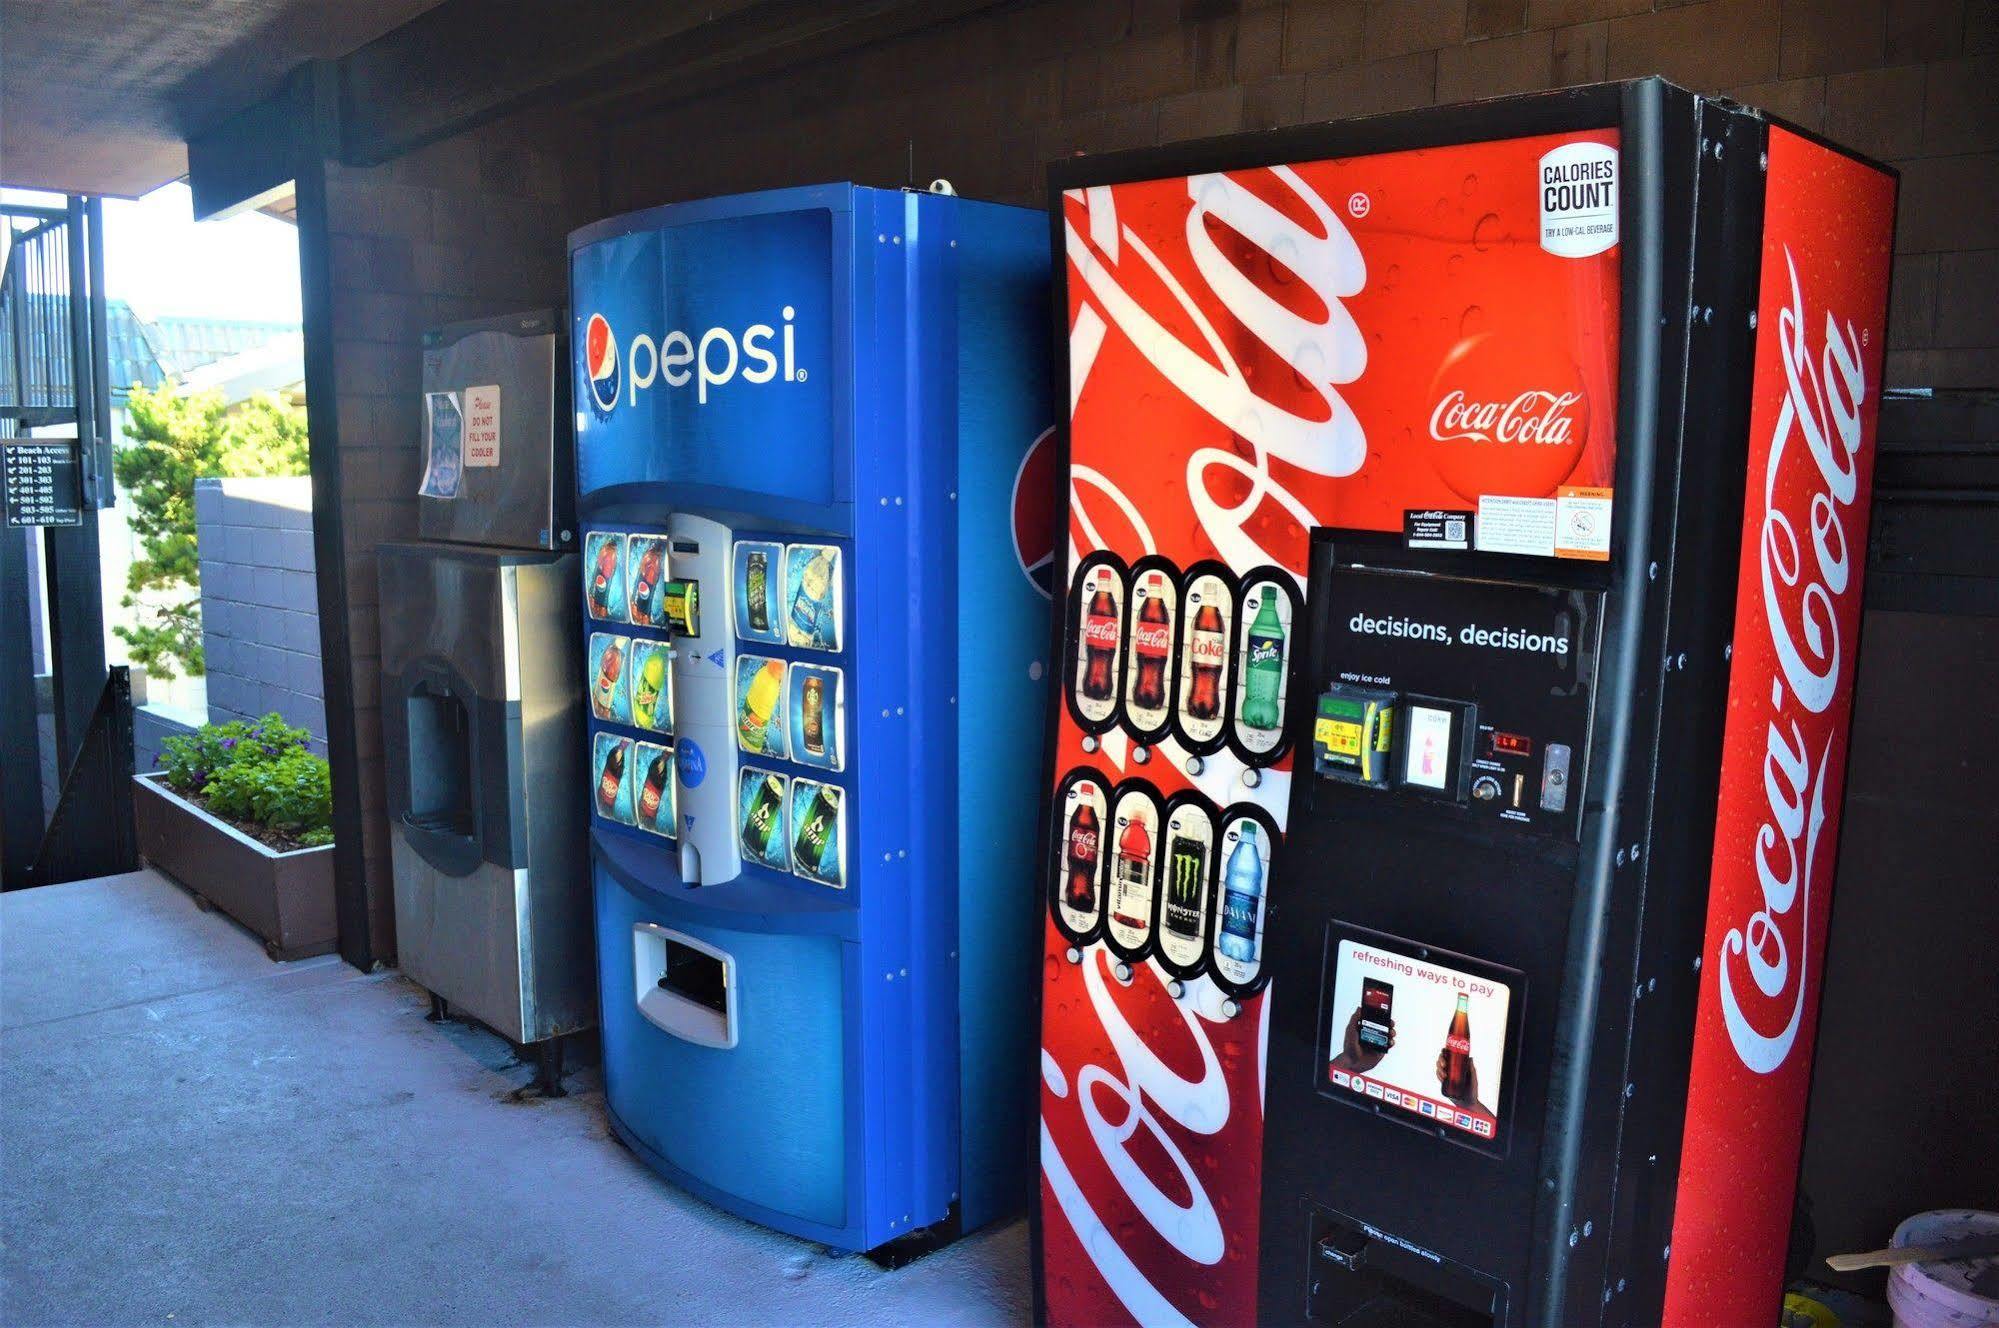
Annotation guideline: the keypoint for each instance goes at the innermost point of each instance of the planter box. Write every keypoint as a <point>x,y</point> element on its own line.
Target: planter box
<point>286,898</point>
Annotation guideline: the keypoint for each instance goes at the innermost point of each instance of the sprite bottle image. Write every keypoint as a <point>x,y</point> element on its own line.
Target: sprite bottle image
<point>1263,669</point>
<point>1242,897</point>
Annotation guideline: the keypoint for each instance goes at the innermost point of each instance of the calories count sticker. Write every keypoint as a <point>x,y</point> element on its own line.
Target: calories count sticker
<point>1578,188</point>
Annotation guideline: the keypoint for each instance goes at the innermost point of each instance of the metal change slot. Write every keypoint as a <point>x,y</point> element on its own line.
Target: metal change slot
<point>684,986</point>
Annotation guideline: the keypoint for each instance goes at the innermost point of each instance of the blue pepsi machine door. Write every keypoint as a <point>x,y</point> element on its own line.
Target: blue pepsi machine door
<point>814,541</point>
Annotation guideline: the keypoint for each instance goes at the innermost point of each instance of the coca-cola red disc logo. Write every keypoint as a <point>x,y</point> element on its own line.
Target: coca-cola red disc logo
<point>1508,415</point>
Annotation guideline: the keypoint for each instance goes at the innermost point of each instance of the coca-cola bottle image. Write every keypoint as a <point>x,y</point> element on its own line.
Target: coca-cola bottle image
<point>1208,648</point>
<point>1457,1073</point>
<point>1100,638</point>
<point>611,780</point>
<point>1131,903</point>
<point>1151,639</point>
<point>1084,842</point>
<point>653,792</point>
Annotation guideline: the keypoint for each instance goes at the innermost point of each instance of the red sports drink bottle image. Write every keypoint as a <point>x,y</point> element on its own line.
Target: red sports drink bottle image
<point>1134,877</point>
<point>1100,640</point>
<point>1208,650</point>
<point>1085,840</point>
<point>1151,639</point>
<point>1457,1074</point>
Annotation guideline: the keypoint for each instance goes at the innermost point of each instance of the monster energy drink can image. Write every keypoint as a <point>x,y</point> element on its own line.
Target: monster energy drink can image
<point>1186,872</point>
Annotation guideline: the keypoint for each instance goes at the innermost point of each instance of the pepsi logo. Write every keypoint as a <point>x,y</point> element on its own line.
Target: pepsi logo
<point>600,364</point>
<point>1034,487</point>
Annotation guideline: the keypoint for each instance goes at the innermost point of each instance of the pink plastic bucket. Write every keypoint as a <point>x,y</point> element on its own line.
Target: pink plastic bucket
<point>1940,1295</point>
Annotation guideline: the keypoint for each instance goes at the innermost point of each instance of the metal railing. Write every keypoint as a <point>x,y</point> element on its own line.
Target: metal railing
<point>54,385</point>
<point>39,323</point>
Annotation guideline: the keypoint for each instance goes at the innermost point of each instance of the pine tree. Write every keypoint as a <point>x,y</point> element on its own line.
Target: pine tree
<point>176,440</point>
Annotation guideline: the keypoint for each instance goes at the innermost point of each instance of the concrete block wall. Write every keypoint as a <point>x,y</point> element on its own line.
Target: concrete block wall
<point>260,601</point>
<point>988,100</point>
<point>469,227</point>
<point>152,726</point>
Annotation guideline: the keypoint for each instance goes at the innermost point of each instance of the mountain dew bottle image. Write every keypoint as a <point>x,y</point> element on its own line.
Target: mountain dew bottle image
<point>647,689</point>
<point>1263,669</point>
<point>1241,898</point>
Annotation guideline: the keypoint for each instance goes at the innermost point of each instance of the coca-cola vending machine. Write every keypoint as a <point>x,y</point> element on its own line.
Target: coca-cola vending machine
<point>1467,511</point>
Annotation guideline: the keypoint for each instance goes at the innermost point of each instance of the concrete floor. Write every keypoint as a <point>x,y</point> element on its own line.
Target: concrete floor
<point>191,1134</point>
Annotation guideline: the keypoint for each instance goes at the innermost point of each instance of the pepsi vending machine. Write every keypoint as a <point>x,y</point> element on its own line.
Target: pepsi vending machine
<point>1476,498</point>
<point>815,650</point>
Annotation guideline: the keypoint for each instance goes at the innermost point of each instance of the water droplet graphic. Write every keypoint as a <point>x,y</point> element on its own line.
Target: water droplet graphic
<point>1485,232</point>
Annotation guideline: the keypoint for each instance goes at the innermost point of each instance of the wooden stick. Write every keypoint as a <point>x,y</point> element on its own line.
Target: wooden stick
<point>1977,1247</point>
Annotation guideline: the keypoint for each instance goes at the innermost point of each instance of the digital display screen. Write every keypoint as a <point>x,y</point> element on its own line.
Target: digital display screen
<point>1512,744</point>
<point>1427,748</point>
<point>1442,1061</point>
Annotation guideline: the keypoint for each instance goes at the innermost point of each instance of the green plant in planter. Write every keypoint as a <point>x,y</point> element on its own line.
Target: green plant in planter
<point>260,772</point>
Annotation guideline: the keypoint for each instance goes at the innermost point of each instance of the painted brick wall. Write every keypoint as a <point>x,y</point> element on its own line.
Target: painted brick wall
<point>988,100</point>
<point>259,602</point>
<point>466,228</point>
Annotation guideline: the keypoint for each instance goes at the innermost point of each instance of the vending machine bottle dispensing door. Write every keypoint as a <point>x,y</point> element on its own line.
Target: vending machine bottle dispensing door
<point>1495,478</point>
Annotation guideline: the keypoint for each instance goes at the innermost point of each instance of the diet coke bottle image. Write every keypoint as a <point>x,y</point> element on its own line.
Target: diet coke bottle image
<point>1151,647</point>
<point>1206,652</point>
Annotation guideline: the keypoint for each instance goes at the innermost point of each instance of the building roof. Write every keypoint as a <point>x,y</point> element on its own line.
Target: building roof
<point>150,351</point>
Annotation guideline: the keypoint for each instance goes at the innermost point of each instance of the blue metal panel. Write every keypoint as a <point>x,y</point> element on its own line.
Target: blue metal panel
<point>1006,527</point>
<point>855,441</point>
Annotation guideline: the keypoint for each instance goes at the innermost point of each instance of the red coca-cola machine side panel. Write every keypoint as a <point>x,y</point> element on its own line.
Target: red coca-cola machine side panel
<point>1822,314</point>
<point>1379,342</point>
